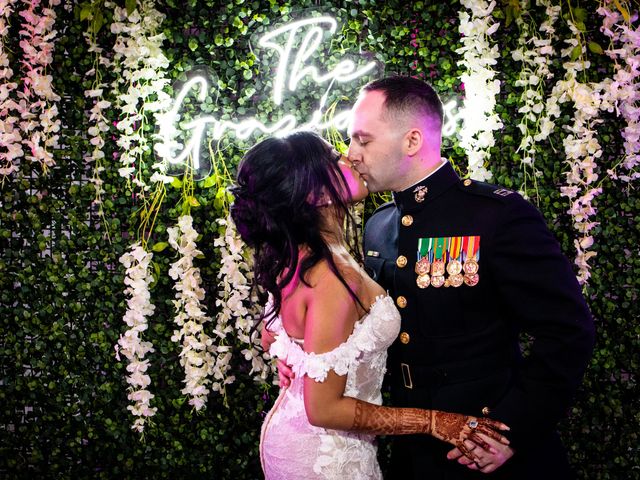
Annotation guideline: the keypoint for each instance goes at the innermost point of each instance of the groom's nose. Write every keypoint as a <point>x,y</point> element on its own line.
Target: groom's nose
<point>354,155</point>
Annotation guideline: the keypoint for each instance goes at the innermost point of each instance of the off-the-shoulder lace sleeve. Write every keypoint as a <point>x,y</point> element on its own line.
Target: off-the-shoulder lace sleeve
<point>366,336</point>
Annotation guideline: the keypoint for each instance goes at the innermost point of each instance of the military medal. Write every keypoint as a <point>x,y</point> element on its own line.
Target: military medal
<point>438,265</point>
<point>470,267</point>
<point>471,279</point>
<point>456,280</point>
<point>423,281</point>
<point>437,281</point>
<point>423,265</point>
<point>471,248</point>
<point>454,266</point>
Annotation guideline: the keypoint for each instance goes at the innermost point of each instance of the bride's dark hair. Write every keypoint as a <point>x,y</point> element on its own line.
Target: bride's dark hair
<point>279,182</point>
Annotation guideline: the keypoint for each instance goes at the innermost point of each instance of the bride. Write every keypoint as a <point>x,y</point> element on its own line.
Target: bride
<point>323,314</point>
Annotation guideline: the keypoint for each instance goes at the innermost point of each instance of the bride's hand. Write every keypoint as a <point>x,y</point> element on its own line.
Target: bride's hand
<point>455,428</point>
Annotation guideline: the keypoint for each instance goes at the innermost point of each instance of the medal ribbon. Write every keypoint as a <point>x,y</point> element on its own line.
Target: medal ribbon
<point>471,245</point>
<point>424,245</point>
<point>455,244</point>
<point>439,248</point>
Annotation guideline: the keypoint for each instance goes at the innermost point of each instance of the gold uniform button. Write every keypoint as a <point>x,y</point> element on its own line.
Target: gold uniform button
<point>467,182</point>
<point>401,301</point>
<point>486,410</point>
<point>404,337</point>
<point>401,261</point>
<point>407,220</point>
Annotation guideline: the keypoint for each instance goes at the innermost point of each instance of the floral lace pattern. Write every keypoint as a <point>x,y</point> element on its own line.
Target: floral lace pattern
<point>290,446</point>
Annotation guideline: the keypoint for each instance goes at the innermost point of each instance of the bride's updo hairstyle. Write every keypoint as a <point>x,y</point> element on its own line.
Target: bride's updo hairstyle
<point>282,186</point>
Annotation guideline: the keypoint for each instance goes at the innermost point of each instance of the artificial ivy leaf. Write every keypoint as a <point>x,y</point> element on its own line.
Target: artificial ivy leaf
<point>193,44</point>
<point>209,182</point>
<point>160,246</point>
<point>580,14</point>
<point>156,276</point>
<point>193,201</point>
<point>130,5</point>
<point>176,183</point>
<point>595,47</point>
<point>85,13</point>
<point>575,53</point>
<point>98,22</point>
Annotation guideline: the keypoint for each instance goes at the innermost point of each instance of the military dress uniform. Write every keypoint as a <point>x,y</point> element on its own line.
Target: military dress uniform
<point>470,266</point>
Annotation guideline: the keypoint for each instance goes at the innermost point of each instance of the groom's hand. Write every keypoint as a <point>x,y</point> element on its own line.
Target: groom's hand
<point>285,374</point>
<point>489,454</point>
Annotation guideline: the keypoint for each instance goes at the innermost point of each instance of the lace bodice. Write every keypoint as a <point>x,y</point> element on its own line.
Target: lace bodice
<point>290,446</point>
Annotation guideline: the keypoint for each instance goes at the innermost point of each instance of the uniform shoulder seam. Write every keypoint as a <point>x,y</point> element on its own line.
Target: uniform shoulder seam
<point>497,192</point>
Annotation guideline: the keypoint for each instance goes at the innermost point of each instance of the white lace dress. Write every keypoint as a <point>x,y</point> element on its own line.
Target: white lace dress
<point>290,447</point>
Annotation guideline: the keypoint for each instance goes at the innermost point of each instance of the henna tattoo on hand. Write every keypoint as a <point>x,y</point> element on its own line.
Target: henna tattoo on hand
<point>379,420</point>
<point>455,428</point>
<point>452,428</point>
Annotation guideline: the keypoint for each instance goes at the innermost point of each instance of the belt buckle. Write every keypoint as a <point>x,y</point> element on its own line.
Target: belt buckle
<point>406,375</point>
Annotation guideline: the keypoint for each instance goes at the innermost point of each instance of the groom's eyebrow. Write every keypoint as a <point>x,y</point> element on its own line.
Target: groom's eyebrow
<point>359,133</point>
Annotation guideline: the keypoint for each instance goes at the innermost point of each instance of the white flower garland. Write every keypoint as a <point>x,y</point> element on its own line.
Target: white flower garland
<point>98,123</point>
<point>196,356</point>
<point>582,150</point>
<point>481,89</point>
<point>141,66</point>
<point>137,278</point>
<point>624,89</point>
<point>10,135</point>
<point>233,298</point>
<point>40,124</point>
<point>534,52</point>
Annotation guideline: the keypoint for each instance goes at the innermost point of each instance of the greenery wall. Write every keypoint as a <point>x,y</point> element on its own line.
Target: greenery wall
<point>62,393</point>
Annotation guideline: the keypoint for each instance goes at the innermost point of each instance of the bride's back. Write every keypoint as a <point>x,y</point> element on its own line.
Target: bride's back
<point>298,297</point>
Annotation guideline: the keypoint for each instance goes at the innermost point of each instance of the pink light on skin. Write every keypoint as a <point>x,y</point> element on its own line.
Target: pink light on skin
<point>356,185</point>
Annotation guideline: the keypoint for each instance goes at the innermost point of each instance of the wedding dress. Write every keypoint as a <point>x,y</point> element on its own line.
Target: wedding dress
<point>290,447</point>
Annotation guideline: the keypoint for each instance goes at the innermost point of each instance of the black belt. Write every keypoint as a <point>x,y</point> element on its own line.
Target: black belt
<point>412,376</point>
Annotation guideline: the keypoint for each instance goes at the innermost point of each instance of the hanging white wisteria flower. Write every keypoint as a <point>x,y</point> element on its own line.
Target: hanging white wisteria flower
<point>141,79</point>
<point>197,352</point>
<point>535,48</point>
<point>581,147</point>
<point>10,135</point>
<point>624,89</point>
<point>480,85</point>
<point>138,277</point>
<point>97,122</point>
<point>39,114</point>
<point>238,309</point>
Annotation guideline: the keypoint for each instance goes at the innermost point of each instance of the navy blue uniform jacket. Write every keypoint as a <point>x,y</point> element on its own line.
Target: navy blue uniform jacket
<point>460,350</point>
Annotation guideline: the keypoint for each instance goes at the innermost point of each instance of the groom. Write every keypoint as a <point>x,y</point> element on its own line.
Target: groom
<point>471,266</point>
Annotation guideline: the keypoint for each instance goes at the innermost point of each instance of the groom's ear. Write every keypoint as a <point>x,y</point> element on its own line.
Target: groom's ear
<point>413,141</point>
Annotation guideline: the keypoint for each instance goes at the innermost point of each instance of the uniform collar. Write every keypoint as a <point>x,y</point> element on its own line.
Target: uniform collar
<point>420,194</point>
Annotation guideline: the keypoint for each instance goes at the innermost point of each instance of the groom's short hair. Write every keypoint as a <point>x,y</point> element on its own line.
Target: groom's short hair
<point>408,96</point>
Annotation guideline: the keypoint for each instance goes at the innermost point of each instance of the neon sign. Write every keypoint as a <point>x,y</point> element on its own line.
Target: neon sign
<point>292,68</point>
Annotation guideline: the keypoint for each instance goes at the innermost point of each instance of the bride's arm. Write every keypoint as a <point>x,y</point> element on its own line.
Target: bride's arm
<point>331,315</point>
